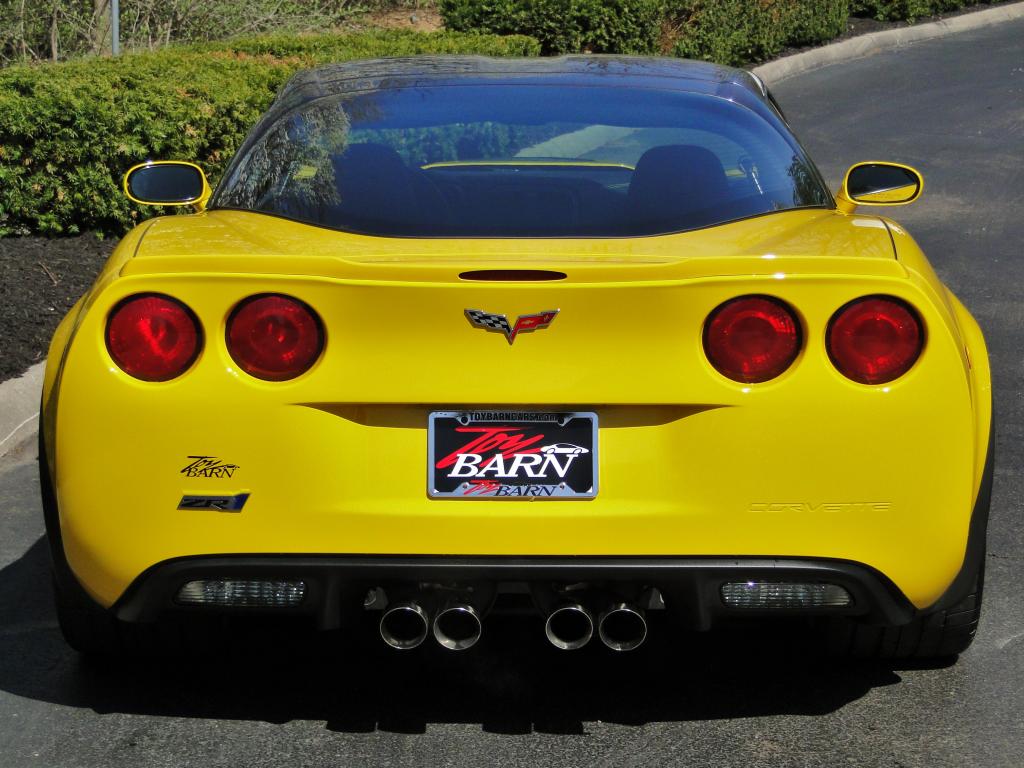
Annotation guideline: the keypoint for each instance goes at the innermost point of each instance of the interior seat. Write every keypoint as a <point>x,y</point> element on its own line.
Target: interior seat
<point>375,189</point>
<point>378,192</point>
<point>675,187</point>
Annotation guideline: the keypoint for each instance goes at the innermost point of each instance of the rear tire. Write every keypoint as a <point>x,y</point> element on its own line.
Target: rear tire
<point>937,635</point>
<point>944,633</point>
<point>95,632</point>
<point>86,626</point>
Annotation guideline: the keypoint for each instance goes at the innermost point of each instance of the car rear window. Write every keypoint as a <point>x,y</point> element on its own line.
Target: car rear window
<point>521,161</point>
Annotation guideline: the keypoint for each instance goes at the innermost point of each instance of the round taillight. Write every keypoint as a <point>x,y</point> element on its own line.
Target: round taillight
<point>274,337</point>
<point>752,338</point>
<point>875,339</point>
<point>153,337</point>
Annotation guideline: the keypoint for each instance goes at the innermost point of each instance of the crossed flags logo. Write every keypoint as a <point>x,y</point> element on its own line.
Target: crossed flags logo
<point>500,323</point>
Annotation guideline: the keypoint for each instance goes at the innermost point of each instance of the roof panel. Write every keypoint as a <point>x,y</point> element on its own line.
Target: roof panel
<point>372,74</point>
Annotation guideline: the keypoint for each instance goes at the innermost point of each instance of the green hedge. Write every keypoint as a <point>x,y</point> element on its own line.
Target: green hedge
<point>739,32</point>
<point>897,10</point>
<point>726,31</point>
<point>69,131</point>
<point>565,26</point>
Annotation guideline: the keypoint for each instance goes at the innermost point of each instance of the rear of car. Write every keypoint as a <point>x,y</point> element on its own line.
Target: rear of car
<point>599,340</point>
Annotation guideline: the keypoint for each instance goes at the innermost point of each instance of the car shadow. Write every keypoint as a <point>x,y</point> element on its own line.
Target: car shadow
<point>512,682</point>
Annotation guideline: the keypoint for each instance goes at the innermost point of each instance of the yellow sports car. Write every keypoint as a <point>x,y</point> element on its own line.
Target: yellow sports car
<point>460,336</point>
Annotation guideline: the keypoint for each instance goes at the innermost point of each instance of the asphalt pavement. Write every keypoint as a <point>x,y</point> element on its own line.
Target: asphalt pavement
<point>952,107</point>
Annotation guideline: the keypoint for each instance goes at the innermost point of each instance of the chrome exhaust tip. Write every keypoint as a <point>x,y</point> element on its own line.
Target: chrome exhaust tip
<point>569,627</point>
<point>457,627</point>
<point>404,626</point>
<point>622,627</point>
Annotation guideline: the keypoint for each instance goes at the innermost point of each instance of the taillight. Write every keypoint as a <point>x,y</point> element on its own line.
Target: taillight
<point>153,337</point>
<point>875,339</point>
<point>752,338</point>
<point>274,337</point>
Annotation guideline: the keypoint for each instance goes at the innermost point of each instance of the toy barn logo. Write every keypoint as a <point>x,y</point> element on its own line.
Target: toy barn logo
<point>208,466</point>
<point>505,453</point>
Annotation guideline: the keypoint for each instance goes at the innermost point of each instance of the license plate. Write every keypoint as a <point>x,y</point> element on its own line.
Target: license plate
<point>512,454</point>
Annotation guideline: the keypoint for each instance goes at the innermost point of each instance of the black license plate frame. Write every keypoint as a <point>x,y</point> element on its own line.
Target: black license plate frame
<point>510,454</point>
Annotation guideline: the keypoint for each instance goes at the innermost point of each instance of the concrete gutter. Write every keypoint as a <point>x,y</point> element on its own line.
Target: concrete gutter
<point>19,398</point>
<point>886,40</point>
<point>19,409</point>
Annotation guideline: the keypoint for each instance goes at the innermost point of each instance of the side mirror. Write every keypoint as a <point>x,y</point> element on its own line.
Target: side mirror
<point>879,184</point>
<point>167,182</point>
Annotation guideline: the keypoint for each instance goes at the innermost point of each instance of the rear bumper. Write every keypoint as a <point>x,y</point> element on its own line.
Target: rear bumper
<point>691,587</point>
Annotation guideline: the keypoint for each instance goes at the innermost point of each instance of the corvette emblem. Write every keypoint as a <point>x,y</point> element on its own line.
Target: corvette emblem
<point>523,324</point>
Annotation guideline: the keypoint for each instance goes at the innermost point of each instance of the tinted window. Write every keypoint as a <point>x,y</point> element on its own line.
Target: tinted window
<point>522,161</point>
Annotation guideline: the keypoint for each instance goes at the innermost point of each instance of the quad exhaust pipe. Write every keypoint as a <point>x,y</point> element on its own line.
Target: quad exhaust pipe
<point>569,627</point>
<point>405,626</point>
<point>622,627</point>
<point>570,624</point>
<point>457,625</point>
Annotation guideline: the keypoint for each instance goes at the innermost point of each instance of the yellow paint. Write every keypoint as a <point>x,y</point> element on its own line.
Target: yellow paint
<point>809,464</point>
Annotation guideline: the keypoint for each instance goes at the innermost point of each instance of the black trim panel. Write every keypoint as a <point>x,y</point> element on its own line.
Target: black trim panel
<point>336,584</point>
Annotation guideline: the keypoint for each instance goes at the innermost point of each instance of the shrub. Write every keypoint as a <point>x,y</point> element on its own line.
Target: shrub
<point>68,131</point>
<point>814,23</point>
<point>725,31</point>
<point>564,26</point>
<point>895,10</point>
<point>742,31</point>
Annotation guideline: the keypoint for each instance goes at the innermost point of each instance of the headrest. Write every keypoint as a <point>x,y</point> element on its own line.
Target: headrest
<point>672,182</point>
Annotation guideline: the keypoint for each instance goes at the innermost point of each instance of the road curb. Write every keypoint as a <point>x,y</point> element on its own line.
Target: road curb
<point>876,42</point>
<point>19,409</point>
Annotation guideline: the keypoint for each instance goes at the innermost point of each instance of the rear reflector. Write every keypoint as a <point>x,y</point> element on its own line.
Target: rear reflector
<point>274,593</point>
<point>772,594</point>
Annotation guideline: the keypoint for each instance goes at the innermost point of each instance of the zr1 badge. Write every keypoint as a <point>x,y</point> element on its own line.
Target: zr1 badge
<point>215,503</point>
